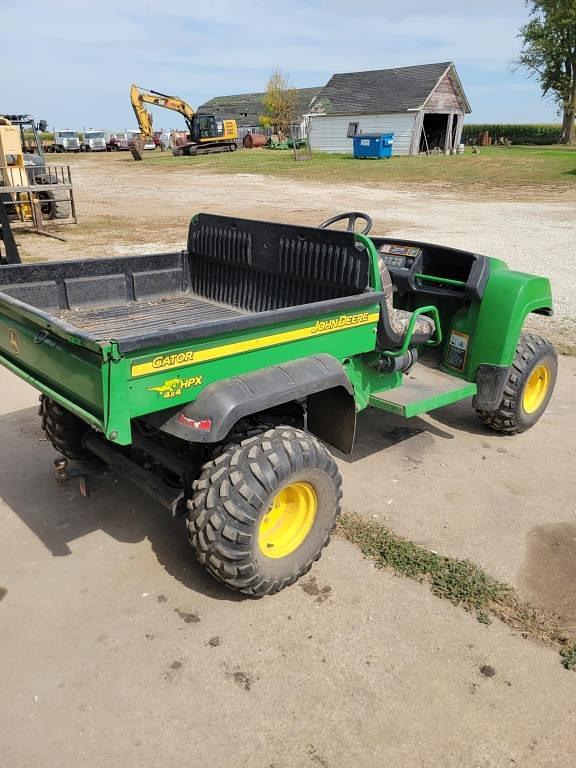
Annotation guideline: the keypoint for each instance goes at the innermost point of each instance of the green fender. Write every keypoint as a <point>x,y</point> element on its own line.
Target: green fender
<point>508,298</point>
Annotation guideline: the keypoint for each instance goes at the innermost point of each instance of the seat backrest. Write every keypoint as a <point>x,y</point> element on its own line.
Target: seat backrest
<point>258,266</point>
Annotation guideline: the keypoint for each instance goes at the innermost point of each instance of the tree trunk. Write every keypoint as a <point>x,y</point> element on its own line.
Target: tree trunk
<point>570,127</point>
<point>564,133</point>
<point>569,121</point>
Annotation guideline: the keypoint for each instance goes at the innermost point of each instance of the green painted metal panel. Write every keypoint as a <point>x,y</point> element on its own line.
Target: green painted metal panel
<point>410,409</point>
<point>493,326</point>
<point>54,394</point>
<point>164,377</point>
<point>365,378</point>
<point>508,299</point>
<point>53,364</point>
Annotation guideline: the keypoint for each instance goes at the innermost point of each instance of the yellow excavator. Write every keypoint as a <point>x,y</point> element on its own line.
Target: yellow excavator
<point>206,133</point>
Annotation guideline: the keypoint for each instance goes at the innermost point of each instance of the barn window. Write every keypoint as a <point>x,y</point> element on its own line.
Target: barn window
<point>352,130</point>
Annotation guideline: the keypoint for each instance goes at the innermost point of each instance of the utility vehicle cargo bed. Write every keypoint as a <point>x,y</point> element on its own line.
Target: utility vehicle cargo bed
<point>116,339</point>
<point>234,275</point>
<point>123,321</point>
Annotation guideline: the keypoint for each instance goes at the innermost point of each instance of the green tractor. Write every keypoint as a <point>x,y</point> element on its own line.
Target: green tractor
<point>216,377</point>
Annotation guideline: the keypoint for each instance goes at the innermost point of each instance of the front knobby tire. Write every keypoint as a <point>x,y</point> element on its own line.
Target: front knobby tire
<point>528,389</point>
<point>263,510</point>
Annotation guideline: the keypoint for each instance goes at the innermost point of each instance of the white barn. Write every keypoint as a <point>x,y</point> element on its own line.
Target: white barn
<point>423,106</point>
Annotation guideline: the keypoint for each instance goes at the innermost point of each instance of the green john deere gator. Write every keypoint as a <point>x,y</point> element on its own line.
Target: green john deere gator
<point>214,377</point>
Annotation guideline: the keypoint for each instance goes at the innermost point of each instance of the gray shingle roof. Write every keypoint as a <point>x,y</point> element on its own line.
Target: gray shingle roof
<point>379,90</point>
<point>246,108</point>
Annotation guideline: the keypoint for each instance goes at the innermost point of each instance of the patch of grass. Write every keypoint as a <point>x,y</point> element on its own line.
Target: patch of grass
<point>569,655</point>
<point>494,167</point>
<point>461,582</point>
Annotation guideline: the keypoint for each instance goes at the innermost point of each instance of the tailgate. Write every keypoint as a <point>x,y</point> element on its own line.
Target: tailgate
<point>54,362</point>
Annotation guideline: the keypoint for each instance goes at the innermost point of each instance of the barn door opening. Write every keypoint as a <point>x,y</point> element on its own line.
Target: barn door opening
<point>434,129</point>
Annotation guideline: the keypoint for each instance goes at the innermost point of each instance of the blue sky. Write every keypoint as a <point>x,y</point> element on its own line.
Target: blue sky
<point>78,59</point>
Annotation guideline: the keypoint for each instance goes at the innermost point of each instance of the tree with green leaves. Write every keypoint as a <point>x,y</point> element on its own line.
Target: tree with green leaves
<point>279,103</point>
<point>549,54</point>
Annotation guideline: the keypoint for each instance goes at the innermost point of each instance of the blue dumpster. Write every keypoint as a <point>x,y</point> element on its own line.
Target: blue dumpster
<point>373,145</point>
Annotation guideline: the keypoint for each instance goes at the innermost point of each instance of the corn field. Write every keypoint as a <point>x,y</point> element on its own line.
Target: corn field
<point>517,134</point>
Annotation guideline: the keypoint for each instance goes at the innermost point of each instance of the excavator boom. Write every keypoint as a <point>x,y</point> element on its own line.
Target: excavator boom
<point>143,117</point>
<point>170,102</point>
<point>139,97</point>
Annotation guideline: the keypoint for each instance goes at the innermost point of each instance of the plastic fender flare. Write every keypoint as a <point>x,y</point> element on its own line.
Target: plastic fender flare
<point>509,297</point>
<point>210,417</point>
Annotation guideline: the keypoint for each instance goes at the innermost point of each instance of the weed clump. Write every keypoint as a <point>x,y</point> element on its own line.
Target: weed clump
<point>568,654</point>
<point>461,582</point>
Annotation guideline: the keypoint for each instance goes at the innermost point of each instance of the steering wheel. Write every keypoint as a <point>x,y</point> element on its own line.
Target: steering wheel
<point>352,217</point>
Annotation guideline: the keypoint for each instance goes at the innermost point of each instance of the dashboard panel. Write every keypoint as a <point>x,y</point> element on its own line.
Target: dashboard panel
<point>425,268</point>
<point>399,256</point>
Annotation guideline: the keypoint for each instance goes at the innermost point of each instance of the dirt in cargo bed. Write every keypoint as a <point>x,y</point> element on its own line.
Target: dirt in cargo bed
<point>119,321</point>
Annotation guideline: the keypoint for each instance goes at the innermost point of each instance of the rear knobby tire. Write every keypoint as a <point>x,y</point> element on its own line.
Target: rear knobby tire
<point>511,416</point>
<point>64,430</point>
<point>235,492</point>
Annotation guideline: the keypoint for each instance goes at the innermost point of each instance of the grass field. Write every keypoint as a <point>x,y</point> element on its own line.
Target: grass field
<point>493,167</point>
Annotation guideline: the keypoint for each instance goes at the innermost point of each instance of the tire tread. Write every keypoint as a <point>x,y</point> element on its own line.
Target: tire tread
<point>64,430</point>
<point>228,498</point>
<point>504,419</point>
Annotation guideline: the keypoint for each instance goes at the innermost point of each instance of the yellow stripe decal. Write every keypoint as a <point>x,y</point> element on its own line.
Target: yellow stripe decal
<point>167,362</point>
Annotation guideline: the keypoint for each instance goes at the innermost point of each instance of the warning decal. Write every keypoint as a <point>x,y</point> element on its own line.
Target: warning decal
<point>457,350</point>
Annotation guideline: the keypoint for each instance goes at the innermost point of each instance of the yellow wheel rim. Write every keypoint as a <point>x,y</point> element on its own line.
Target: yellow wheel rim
<point>288,520</point>
<point>535,389</point>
